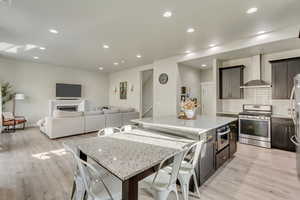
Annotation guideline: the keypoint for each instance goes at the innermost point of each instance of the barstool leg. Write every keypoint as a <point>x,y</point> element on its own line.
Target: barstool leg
<point>196,183</point>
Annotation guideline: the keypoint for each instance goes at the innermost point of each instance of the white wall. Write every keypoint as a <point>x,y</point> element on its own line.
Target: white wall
<point>259,95</point>
<point>164,96</point>
<point>191,78</point>
<point>133,77</point>
<point>37,82</point>
<point>206,75</point>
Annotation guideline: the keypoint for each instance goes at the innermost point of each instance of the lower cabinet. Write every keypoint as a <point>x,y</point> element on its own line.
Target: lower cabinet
<point>233,137</point>
<point>207,163</point>
<point>282,130</point>
<point>222,157</point>
<point>210,159</point>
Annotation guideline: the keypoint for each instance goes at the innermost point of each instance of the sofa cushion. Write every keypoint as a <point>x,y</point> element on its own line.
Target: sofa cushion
<point>110,111</point>
<point>62,114</point>
<point>94,112</point>
<point>125,110</point>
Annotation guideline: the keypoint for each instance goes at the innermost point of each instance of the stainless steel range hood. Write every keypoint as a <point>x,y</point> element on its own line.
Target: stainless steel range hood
<point>257,82</point>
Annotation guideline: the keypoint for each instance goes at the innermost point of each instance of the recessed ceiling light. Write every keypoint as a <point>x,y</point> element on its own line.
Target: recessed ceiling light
<point>105,46</point>
<point>188,51</point>
<point>167,14</point>
<point>42,48</point>
<point>203,65</point>
<point>212,45</point>
<point>35,57</point>
<point>138,55</point>
<point>252,10</point>
<point>116,63</point>
<point>262,36</point>
<point>260,32</point>
<point>53,31</point>
<point>101,68</point>
<point>190,30</point>
<point>29,47</point>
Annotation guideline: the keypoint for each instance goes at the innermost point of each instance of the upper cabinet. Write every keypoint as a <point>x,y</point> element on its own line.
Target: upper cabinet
<point>231,79</point>
<point>283,73</point>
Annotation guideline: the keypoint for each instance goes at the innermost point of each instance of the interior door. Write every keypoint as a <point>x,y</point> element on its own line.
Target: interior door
<point>208,91</point>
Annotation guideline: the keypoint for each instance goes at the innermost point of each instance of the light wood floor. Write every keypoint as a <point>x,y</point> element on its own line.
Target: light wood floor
<point>32,167</point>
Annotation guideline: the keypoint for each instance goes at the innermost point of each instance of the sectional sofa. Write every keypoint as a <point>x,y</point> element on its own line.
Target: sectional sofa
<point>65,123</point>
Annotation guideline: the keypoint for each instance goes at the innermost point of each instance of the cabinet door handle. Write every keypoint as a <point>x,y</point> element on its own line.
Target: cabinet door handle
<point>209,137</point>
<point>294,140</point>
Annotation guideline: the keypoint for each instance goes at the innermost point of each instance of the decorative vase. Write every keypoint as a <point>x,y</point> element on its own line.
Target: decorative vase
<point>189,114</point>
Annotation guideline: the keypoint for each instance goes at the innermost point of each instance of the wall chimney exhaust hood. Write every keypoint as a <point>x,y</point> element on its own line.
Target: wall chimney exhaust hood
<point>257,82</point>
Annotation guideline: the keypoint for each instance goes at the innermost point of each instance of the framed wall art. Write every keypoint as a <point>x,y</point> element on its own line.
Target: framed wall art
<point>123,90</point>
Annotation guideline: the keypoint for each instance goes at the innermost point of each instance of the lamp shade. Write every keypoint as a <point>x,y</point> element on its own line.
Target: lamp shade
<point>19,97</point>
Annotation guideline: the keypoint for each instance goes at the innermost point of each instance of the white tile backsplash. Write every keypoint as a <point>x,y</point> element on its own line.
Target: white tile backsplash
<point>281,107</point>
<point>254,96</point>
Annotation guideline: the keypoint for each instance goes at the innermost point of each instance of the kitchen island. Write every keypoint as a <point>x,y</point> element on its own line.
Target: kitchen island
<point>185,128</point>
<point>219,135</point>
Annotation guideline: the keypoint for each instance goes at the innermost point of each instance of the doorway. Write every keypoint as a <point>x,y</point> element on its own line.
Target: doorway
<point>146,93</point>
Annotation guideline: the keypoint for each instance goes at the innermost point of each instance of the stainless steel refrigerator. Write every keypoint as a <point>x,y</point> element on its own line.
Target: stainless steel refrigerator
<point>295,112</point>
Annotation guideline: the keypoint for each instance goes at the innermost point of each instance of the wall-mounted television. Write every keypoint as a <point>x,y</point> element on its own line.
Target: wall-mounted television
<point>68,90</point>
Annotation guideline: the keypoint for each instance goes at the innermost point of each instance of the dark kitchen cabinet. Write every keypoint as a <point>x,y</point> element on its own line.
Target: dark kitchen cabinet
<point>231,78</point>
<point>282,130</point>
<point>207,162</point>
<point>279,80</point>
<point>283,73</point>
<point>233,137</point>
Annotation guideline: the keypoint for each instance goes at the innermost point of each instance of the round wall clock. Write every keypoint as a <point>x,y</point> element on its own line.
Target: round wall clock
<point>163,78</point>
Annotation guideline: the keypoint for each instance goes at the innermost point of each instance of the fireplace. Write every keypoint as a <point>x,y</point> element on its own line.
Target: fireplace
<point>67,105</point>
<point>67,108</point>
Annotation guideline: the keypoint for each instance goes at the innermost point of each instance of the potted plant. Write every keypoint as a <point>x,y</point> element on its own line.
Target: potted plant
<point>7,93</point>
<point>189,108</point>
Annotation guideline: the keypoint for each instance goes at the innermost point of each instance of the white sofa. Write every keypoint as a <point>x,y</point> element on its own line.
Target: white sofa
<point>64,123</point>
<point>94,121</point>
<point>62,127</point>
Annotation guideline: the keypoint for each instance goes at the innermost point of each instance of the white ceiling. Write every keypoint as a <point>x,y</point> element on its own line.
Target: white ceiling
<point>133,27</point>
<point>283,45</point>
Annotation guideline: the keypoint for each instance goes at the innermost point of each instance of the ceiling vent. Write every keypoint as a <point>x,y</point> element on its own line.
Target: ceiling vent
<point>5,2</point>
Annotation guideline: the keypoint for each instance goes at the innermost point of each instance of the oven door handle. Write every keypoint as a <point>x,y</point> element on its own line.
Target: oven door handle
<point>295,140</point>
<point>251,119</point>
<point>224,133</point>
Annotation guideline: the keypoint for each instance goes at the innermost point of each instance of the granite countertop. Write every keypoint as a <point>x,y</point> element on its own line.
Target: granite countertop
<point>228,113</point>
<point>126,155</point>
<point>200,125</point>
<point>282,116</point>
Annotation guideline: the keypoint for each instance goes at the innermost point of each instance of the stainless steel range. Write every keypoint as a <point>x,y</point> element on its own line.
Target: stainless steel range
<point>255,125</point>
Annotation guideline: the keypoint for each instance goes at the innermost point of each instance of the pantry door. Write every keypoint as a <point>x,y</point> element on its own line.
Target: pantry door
<point>208,98</point>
